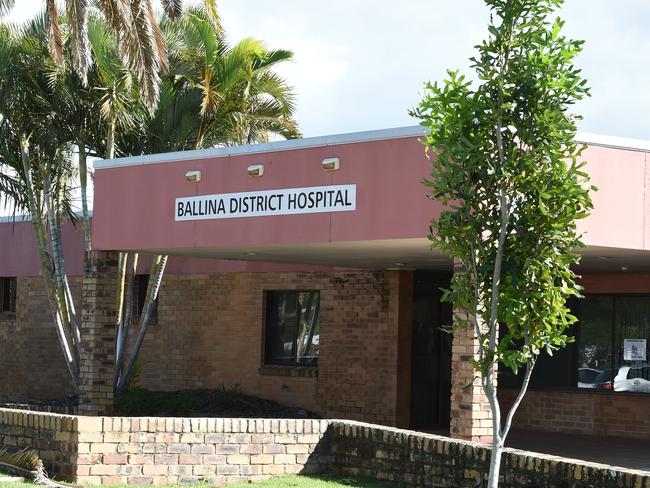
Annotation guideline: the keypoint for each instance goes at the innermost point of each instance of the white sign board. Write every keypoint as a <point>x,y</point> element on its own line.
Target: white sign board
<point>286,201</point>
<point>634,350</point>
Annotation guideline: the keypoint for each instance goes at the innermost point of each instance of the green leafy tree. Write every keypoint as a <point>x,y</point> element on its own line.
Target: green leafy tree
<point>507,169</point>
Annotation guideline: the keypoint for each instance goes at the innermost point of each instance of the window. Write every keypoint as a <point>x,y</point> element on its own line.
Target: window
<point>141,285</point>
<point>292,328</point>
<point>8,295</point>
<point>611,350</point>
<point>614,344</point>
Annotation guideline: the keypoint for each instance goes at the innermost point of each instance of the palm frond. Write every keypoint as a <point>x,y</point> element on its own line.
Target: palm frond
<point>158,36</point>
<point>131,21</point>
<point>199,35</point>
<point>275,87</point>
<point>117,13</point>
<point>24,463</point>
<point>143,52</point>
<point>6,6</point>
<point>271,58</point>
<point>173,8</point>
<point>77,11</point>
<point>54,36</point>
<point>27,464</point>
<point>213,13</point>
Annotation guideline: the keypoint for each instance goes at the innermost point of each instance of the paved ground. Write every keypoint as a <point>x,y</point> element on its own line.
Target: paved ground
<point>615,451</point>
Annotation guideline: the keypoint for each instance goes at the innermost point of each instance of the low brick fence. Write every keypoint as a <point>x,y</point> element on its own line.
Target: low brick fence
<point>111,450</point>
<point>107,450</point>
<point>54,436</point>
<point>424,460</point>
<point>184,450</point>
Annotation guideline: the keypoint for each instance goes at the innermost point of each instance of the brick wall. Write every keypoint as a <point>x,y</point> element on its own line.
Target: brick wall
<point>424,460</point>
<point>8,343</point>
<point>108,450</point>
<point>31,362</point>
<point>209,333</point>
<point>53,436</point>
<point>582,412</point>
<point>214,450</point>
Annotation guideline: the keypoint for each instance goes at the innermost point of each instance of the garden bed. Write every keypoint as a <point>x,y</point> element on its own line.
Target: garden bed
<point>140,402</point>
<point>64,406</point>
<point>220,402</point>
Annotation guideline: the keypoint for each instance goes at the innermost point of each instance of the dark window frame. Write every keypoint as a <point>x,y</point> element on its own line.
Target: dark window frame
<point>267,354</point>
<point>8,294</point>
<point>574,353</point>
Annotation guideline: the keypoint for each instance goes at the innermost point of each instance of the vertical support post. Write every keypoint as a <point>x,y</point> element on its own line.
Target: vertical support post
<point>471,418</point>
<point>98,322</point>
<point>404,348</point>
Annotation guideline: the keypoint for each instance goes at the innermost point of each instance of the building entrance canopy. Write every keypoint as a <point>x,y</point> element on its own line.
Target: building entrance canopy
<point>352,200</point>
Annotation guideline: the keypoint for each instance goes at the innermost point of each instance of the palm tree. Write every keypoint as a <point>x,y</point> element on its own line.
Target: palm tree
<point>213,94</point>
<point>35,161</point>
<point>133,23</point>
<point>233,89</point>
<point>238,99</point>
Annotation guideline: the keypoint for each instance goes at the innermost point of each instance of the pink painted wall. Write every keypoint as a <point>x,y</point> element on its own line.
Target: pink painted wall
<point>134,206</point>
<point>620,204</point>
<point>18,256</point>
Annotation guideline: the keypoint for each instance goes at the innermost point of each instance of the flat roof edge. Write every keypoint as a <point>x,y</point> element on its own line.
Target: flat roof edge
<point>4,219</point>
<point>18,218</point>
<point>591,139</point>
<point>285,145</point>
<point>614,142</point>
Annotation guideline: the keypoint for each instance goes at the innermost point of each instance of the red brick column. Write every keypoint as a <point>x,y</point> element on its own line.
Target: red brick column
<point>98,322</point>
<point>471,418</point>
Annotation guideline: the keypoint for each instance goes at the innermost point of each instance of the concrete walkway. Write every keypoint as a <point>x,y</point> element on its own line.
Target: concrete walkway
<point>614,451</point>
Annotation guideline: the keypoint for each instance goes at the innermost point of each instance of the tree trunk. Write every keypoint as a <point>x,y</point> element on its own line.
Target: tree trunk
<point>495,461</point>
<point>47,266</point>
<point>83,183</point>
<point>126,274</point>
<point>65,303</point>
<point>155,278</point>
<point>110,139</point>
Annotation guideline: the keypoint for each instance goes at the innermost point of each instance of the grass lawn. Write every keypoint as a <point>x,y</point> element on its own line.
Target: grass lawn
<point>285,482</point>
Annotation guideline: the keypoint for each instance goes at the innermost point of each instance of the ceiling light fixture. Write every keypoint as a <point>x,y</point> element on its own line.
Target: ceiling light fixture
<point>331,164</point>
<point>193,176</point>
<point>256,170</point>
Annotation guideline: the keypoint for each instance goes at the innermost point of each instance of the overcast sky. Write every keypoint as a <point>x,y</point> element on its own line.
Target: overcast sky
<point>361,64</point>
